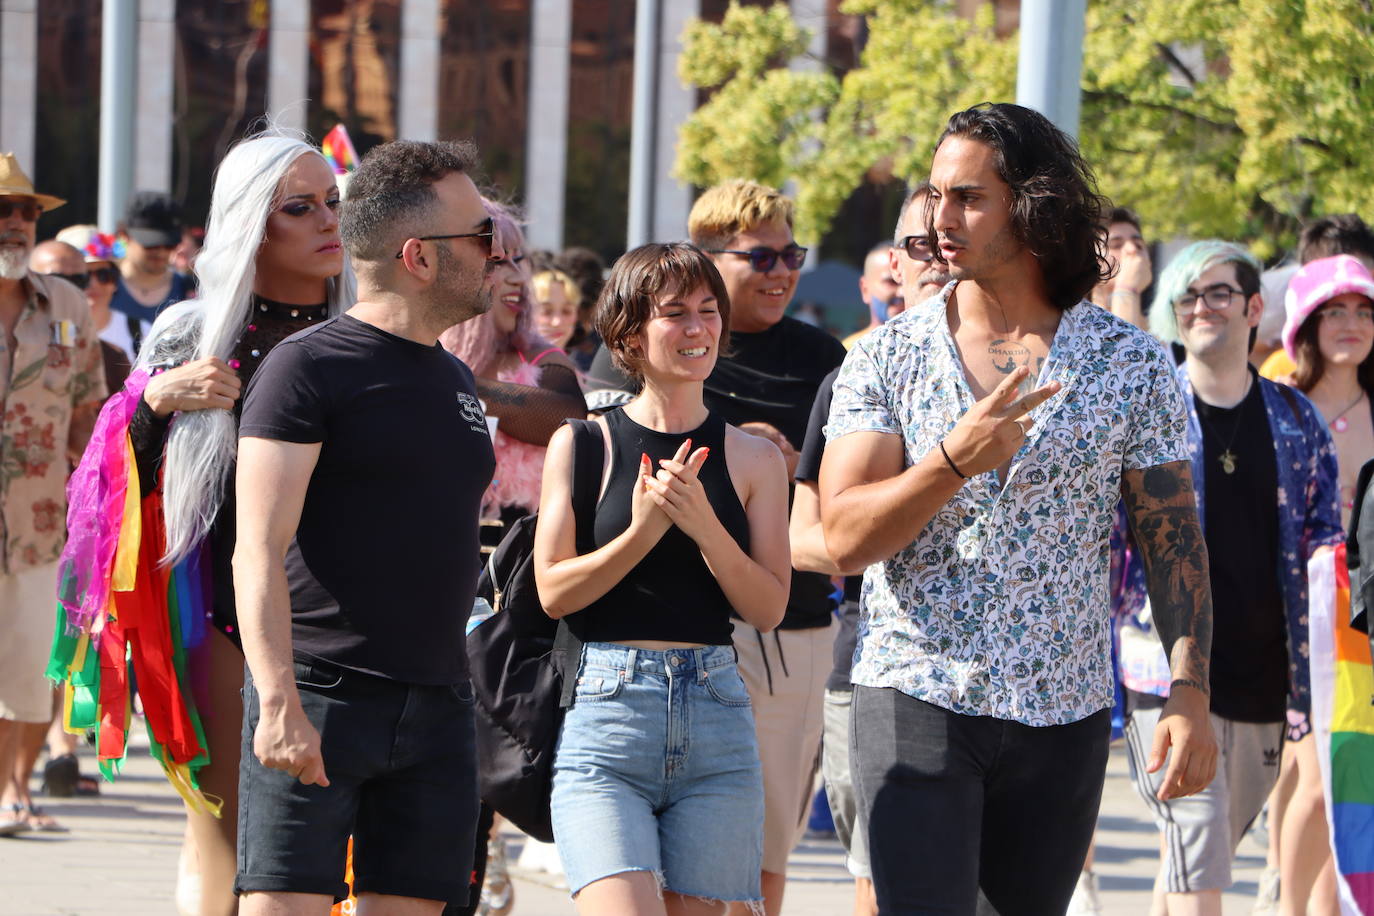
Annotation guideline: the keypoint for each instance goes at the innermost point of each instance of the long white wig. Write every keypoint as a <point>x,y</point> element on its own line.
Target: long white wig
<point>203,443</point>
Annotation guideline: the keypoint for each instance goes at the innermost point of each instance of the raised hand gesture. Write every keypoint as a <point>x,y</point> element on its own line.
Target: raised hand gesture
<point>678,491</point>
<point>989,434</point>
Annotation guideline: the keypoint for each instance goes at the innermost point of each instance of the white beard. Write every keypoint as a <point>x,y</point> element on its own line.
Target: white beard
<point>14,263</point>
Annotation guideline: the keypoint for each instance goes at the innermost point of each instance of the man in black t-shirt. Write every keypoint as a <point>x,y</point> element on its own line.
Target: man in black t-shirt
<point>363,455</point>
<point>1264,470</point>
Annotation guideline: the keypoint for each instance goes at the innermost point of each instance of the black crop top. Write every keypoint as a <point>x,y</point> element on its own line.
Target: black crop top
<point>670,595</point>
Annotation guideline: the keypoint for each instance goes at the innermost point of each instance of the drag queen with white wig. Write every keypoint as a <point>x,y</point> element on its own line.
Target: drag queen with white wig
<point>272,265</point>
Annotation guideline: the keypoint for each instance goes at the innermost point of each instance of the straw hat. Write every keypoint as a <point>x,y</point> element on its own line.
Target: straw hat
<point>14,183</point>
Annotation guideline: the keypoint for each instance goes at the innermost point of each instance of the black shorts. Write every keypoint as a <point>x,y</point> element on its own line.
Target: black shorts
<point>402,769</point>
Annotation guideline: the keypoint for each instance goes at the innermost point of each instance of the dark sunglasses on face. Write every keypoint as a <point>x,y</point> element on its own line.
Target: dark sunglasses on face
<point>484,236</point>
<point>78,280</point>
<point>917,247</point>
<point>28,209</point>
<point>762,259</point>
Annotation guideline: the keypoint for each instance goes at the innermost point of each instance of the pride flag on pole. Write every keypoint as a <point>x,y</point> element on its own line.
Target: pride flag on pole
<point>339,151</point>
<point>1343,719</point>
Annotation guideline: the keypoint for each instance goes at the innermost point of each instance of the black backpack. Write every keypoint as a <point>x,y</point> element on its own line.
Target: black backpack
<point>523,664</point>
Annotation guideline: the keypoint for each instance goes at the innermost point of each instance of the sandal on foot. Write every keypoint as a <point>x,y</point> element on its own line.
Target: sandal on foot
<point>12,820</point>
<point>42,822</point>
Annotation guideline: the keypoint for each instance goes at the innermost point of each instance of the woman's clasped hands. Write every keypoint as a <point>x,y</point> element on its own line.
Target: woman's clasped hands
<point>678,494</point>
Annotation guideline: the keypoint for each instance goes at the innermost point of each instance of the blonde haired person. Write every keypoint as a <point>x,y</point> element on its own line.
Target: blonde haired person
<point>557,306</point>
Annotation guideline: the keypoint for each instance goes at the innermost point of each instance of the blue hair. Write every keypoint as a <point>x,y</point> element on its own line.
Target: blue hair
<point>1186,266</point>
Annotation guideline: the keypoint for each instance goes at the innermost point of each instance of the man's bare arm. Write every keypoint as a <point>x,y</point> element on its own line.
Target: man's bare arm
<point>1163,515</point>
<point>271,482</point>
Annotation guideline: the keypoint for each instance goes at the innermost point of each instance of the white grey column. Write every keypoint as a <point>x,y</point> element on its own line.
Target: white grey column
<point>19,76</point>
<point>156,82</point>
<point>288,62</point>
<point>418,98</point>
<point>546,133</point>
<point>118,37</point>
<point>676,102</point>
<point>1049,70</point>
<point>813,16</point>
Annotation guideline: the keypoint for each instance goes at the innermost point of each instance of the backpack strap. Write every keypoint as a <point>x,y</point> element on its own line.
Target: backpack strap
<point>1292,400</point>
<point>589,452</point>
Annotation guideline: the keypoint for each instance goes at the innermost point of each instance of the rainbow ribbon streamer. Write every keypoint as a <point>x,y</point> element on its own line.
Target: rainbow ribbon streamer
<point>1343,718</point>
<point>122,617</point>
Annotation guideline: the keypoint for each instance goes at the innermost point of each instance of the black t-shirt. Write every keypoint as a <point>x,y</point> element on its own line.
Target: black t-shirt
<point>809,470</point>
<point>384,565</point>
<point>772,377</point>
<point>1249,632</point>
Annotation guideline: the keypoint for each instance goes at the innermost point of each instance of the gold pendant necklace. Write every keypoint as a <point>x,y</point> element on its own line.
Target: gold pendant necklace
<point>1227,459</point>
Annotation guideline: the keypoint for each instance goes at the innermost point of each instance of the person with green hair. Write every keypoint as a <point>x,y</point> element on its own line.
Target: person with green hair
<point>1264,471</point>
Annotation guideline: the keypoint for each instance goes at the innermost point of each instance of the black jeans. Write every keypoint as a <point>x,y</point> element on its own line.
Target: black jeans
<point>956,804</point>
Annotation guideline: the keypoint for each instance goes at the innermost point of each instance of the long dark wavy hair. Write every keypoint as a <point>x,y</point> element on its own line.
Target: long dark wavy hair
<point>1055,208</point>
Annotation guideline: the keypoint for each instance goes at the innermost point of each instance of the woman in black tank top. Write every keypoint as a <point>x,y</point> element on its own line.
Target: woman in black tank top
<point>656,779</point>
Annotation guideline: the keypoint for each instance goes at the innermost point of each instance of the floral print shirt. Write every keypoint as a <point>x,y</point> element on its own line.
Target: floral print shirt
<point>55,368</point>
<point>1309,518</point>
<point>1000,607</point>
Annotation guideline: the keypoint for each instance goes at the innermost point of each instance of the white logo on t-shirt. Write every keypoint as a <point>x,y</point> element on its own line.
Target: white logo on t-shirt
<point>471,409</point>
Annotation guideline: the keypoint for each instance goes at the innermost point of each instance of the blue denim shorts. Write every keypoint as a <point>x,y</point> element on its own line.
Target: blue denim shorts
<point>658,770</point>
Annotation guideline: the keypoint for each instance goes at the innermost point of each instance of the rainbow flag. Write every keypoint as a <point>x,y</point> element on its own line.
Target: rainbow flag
<point>1343,719</point>
<point>339,151</point>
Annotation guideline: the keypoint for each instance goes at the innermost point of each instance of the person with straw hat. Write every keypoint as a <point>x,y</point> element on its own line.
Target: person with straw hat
<point>51,384</point>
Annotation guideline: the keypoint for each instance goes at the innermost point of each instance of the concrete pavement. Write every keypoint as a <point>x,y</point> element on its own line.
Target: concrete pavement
<point>120,857</point>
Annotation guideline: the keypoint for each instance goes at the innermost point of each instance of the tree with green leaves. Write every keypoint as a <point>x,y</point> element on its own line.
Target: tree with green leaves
<point>1238,119</point>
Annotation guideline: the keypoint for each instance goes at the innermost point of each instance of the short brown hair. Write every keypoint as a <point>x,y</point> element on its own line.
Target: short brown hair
<point>726,210</point>
<point>637,280</point>
<point>391,194</point>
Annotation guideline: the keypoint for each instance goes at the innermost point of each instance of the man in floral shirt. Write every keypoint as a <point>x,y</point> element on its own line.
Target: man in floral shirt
<point>982,512</point>
<point>51,384</point>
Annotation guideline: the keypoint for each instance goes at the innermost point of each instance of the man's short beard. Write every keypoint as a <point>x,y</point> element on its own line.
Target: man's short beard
<point>14,263</point>
<point>455,298</point>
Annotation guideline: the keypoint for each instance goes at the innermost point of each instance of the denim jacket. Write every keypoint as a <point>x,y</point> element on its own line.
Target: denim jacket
<point>1309,518</point>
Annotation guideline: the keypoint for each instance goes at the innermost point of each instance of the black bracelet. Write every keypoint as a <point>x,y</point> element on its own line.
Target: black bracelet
<point>1186,682</point>
<point>950,461</point>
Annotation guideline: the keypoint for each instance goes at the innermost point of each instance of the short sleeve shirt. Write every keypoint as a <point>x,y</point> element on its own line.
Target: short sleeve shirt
<point>385,563</point>
<point>1000,607</point>
<point>55,368</point>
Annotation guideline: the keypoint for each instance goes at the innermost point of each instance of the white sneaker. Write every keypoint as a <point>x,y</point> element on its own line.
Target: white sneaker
<point>1084,901</point>
<point>1267,899</point>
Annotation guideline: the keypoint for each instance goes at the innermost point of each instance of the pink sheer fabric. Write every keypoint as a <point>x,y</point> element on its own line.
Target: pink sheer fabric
<point>95,508</point>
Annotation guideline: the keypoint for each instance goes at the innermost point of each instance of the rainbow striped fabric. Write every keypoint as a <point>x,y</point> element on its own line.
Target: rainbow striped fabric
<point>338,150</point>
<point>1343,718</point>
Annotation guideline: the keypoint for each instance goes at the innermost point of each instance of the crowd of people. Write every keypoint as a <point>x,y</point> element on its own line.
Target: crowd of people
<point>1044,487</point>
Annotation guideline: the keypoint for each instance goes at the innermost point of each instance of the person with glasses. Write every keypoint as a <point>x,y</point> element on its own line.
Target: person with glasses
<point>147,283</point>
<point>91,268</point>
<point>1329,336</point>
<point>980,513</point>
<point>1264,471</point>
<point>363,457</point>
<point>51,386</point>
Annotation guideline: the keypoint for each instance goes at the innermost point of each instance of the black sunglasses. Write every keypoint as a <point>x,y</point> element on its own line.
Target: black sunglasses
<point>103,274</point>
<point>486,234</point>
<point>762,259</point>
<point>78,280</point>
<point>28,209</point>
<point>917,247</point>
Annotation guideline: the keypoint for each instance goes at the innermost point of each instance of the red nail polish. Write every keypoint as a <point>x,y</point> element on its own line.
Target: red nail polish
<point>706,453</point>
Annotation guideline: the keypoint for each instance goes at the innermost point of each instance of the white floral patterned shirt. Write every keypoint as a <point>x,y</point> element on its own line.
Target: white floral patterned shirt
<point>1000,608</point>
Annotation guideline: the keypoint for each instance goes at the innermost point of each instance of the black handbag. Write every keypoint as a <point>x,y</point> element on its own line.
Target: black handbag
<point>523,664</point>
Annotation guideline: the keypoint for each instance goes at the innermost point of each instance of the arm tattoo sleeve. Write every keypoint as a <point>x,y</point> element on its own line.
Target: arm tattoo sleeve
<point>532,414</point>
<point>1164,520</point>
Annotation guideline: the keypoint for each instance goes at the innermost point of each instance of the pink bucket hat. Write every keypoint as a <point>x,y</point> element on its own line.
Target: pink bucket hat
<point>1317,283</point>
